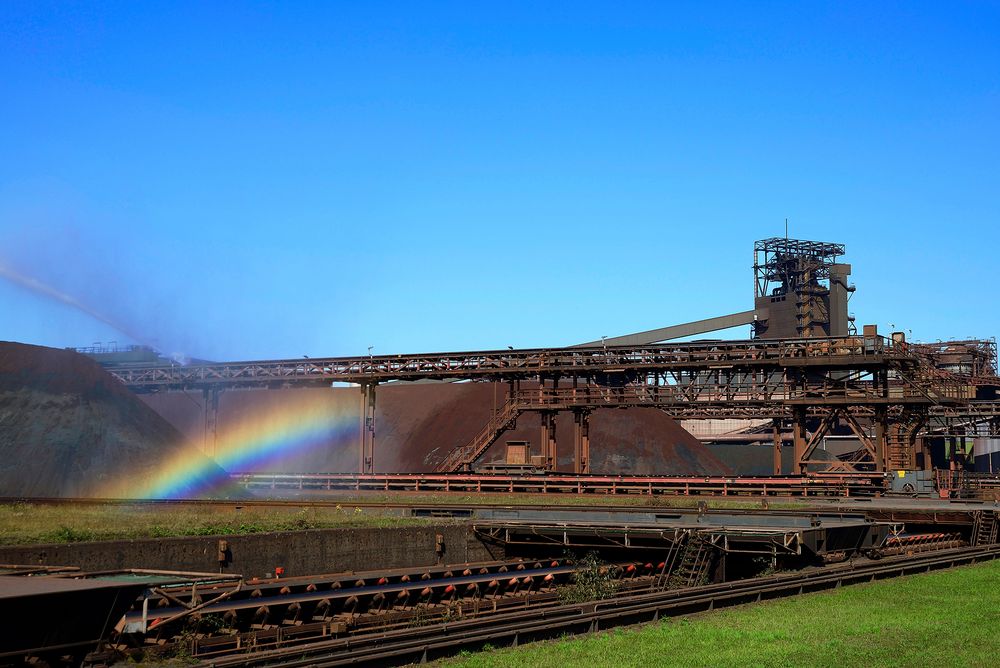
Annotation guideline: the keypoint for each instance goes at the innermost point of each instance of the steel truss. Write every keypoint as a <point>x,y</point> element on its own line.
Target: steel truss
<point>886,391</point>
<point>619,363</point>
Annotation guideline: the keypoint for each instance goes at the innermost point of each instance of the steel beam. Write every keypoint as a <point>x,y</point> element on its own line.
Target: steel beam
<point>881,429</point>
<point>548,440</point>
<point>843,354</point>
<point>677,331</point>
<point>799,439</point>
<point>776,436</point>
<point>366,462</point>
<point>210,434</point>
<point>581,441</point>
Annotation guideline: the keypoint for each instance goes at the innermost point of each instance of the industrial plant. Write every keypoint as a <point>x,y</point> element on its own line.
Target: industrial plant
<point>843,400</point>
<point>496,497</point>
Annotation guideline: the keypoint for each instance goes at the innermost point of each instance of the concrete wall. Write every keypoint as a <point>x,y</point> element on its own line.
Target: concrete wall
<point>299,552</point>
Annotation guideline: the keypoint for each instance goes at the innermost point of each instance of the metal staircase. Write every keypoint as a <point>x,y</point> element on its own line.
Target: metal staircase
<point>461,459</point>
<point>898,448</point>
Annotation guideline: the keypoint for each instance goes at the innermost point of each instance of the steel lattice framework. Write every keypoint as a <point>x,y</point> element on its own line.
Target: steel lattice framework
<point>628,362</point>
<point>780,260</point>
<point>886,391</point>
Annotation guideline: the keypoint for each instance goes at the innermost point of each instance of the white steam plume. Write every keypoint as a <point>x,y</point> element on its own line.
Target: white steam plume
<point>34,285</point>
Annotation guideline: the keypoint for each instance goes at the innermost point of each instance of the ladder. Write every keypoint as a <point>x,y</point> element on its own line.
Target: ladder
<point>693,565</point>
<point>670,562</point>
<point>985,530</point>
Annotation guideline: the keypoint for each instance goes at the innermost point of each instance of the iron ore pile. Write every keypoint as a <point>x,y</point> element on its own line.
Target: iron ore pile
<point>418,424</point>
<point>68,428</point>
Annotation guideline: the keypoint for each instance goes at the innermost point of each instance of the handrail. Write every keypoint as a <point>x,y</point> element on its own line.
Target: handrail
<point>483,440</point>
<point>778,353</point>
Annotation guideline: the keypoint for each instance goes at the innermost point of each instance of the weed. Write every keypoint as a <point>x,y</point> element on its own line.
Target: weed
<point>593,580</point>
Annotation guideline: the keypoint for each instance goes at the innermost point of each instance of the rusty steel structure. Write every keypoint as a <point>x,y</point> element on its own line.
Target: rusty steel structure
<point>975,359</point>
<point>800,289</point>
<point>883,389</point>
<point>805,371</point>
<point>419,644</point>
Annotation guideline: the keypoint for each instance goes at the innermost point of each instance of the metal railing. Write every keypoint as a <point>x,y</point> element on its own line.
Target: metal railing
<point>842,353</point>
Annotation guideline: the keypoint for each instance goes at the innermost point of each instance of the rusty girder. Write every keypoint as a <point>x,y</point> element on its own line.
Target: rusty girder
<point>610,364</point>
<point>868,378</point>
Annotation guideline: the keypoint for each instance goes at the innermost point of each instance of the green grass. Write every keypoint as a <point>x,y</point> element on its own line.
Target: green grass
<point>947,618</point>
<point>24,523</point>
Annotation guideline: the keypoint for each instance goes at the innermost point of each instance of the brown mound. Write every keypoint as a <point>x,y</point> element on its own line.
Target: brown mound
<point>53,371</point>
<point>68,428</point>
<point>418,424</point>
<point>758,460</point>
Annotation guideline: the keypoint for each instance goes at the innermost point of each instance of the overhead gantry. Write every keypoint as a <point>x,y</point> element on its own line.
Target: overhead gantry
<point>885,390</point>
<point>806,371</point>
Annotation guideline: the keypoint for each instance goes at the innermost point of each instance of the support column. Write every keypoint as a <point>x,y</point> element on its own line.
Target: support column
<point>799,438</point>
<point>548,440</point>
<point>881,435</point>
<point>205,402</point>
<point>776,434</point>
<point>581,441</point>
<point>925,448</point>
<point>210,436</point>
<point>366,453</point>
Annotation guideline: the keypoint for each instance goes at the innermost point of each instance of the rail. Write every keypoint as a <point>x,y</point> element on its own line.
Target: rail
<point>960,482</point>
<point>976,418</point>
<point>431,642</point>
<point>836,485</point>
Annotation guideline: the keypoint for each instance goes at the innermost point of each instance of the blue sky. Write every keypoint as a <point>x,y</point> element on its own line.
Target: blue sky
<point>278,179</point>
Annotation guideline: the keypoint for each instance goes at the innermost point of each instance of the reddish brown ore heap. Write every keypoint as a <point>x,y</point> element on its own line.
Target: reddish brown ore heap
<point>68,428</point>
<point>417,424</point>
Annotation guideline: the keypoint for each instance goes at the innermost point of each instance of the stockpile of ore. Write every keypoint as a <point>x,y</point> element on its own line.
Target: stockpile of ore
<point>417,424</point>
<point>68,428</point>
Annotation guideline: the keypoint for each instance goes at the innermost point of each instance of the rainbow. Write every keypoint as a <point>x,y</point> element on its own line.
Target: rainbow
<point>260,440</point>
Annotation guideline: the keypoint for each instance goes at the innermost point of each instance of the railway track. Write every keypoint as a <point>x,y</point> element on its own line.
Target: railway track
<point>447,509</point>
<point>275,601</point>
<point>283,612</point>
<point>425,643</point>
